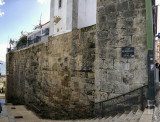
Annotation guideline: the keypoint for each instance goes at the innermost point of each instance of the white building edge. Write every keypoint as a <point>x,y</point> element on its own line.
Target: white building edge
<point>66,15</point>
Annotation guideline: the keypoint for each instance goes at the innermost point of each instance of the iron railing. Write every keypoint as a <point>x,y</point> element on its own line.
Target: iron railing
<point>28,43</point>
<point>136,99</point>
<point>61,112</point>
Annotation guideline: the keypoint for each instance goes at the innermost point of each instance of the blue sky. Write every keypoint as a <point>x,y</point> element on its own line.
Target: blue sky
<point>20,15</point>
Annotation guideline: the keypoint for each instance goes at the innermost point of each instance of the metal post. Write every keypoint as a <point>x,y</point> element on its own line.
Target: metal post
<point>151,84</point>
<point>102,111</point>
<point>150,46</point>
<point>151,87</point>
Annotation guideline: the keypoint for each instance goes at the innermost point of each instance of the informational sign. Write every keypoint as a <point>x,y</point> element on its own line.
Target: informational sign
<point>127,52</point>
<point>152,67</point>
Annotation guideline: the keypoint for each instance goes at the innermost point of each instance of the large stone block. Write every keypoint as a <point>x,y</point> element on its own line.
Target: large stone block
<point>115,87</point>
<point>102,35</point>
<point>123,6</point>
<point>110,8</point>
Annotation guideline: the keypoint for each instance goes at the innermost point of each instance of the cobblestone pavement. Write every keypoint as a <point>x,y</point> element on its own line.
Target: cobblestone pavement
<point>17,113</point>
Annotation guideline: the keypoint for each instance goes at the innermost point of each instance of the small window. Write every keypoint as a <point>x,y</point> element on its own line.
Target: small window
<point>45,31</point>
<point>60,3</point>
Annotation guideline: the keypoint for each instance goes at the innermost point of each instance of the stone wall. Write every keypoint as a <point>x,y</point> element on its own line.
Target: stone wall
<point>120,23</point>
<point>58,73</point>
<point>84,66</point>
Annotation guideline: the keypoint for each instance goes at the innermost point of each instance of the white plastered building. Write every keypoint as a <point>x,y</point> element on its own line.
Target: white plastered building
<point>66,15</point>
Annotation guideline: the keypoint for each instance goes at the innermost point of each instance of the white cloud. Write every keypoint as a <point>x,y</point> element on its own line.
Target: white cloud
<point>42,1</point>
<point>2,2</point>
<point>3,48</point>
<point>1,13</point>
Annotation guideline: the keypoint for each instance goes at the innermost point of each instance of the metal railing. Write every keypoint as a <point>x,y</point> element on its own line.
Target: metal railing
<point>136,99</point>
<point>132,100</point>
<point>28,43</point>
<point>61,112</point>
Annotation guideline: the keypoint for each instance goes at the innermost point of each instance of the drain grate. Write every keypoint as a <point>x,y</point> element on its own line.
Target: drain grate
<point>13,108</point>
<point>18,117</point>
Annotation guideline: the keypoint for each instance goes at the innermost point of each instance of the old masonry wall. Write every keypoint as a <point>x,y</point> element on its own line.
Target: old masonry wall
<point>58,73</point>
<point>120,23</point>
<point>84,66</point>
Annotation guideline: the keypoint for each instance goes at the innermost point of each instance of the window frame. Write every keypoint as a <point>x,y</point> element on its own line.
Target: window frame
<point>60,4</point>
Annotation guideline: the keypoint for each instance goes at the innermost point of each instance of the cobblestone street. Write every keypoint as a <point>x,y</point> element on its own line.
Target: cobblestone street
<point>17,113</point>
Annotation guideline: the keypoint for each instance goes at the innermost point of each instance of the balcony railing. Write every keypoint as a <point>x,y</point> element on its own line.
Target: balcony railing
<point>28,43</point>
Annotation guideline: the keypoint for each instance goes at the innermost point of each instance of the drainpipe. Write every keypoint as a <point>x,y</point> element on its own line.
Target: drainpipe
<point>151,58</point>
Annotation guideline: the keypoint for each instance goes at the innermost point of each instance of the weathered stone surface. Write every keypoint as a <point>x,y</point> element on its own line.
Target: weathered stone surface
<point>59,72</point>
<point>84,66</point>
<point>120,23</point>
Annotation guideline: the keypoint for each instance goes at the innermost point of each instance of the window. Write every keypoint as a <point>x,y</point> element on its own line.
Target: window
<point>45,31</point>
<point>60,3</point>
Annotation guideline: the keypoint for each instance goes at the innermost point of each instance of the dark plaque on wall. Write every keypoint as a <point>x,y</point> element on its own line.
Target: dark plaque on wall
<point>127,52</point>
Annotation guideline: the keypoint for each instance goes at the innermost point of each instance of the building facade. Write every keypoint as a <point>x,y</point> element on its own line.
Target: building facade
<point>82,66</point>
<point>40,34</point>
<point>66,15</point>
<point>157,51</point>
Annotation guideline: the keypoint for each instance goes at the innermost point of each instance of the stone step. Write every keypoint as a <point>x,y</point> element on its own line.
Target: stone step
<point>5,119</point>
<point>109,118</point>
<point>96,120</point>
<point>88,120</point>
<point>137,116</point>
<point>147,116</point>
<point>123,116</point>
<point>103,119</point>
<point>114,119</point>
<point>130,116</point>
